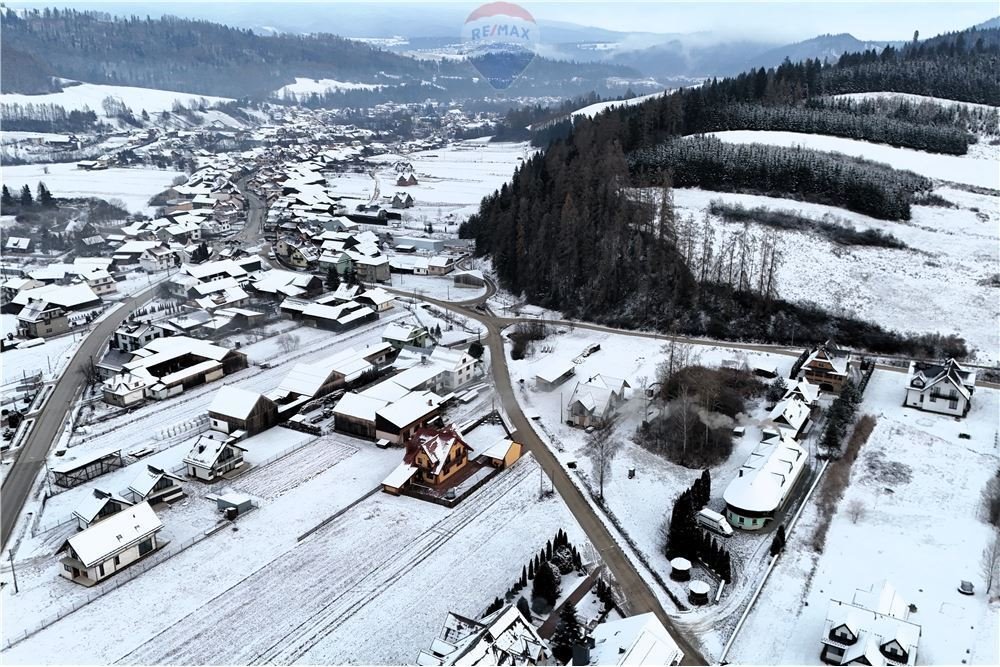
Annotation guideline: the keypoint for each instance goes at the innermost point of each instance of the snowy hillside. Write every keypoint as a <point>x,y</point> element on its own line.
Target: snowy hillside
<point>92,95</point>
<point>967,170</point>
<point>916,99</point>
<point>305,86</point>
<point>899,289</point>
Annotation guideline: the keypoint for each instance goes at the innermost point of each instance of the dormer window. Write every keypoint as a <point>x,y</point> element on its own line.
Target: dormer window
<point>843,634</point>
<point>893,651</point>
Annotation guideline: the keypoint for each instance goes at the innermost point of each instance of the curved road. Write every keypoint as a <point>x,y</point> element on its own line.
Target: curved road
<point>49,420</point>
<point>637,592</point>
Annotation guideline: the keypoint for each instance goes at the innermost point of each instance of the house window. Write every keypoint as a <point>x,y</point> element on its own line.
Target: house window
<point>100,570</point>
<point>953,404</point>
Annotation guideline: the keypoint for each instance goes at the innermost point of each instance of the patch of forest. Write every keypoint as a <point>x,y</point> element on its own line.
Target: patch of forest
<point>834,179</point>
<point>832,228</point>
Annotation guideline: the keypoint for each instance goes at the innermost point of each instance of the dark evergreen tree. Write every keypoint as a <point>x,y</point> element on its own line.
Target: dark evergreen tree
<point>778,542</point>
<point>524,577</point>
<point>531,569</point>
<point>548,550</point>
<point>567,633</point>
<point>524,608</point>
<point>332,279</point>
<point>26,198</point>
<point>476,350</point>
<point>545,587</point>
<point>5,198</point>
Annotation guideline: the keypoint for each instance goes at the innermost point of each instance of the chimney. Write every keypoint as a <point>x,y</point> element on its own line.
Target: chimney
<point>741,472</point>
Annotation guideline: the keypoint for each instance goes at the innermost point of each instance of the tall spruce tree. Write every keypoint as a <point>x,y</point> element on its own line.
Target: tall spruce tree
<point>567,633</point>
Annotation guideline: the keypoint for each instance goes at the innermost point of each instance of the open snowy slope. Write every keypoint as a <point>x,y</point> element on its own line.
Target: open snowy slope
<point>92,95</point>
<point>940,284</point>
<point>916,99</point>
<point>959,169</point>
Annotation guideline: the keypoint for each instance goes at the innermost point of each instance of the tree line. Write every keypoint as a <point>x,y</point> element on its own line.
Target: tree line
<point>856,184</point>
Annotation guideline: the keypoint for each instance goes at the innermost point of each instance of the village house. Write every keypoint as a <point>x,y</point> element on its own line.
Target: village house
<point>791,416</point>
<point>40,319</point>
<point>159,258</point>
<point>377,299</point>
<point>397,421</point>
<point>213,455</point>
<point>432,456</point>
<point>634,640</point>
<point>470,278</point>
<point>829,367</point>
<point>131,336</point>
<point>765,481</point>
<point>504,637</point>
<point>241,413</point>
<point>595,401</point>
<point>402,200</point>
<point>97,506</point>
<point>440,265</point>
<point>873,629</point>
<point>110,545</point>
<point>75,296</point>
<point>405,335</point>
<point>804,391</point>
<point>14,286</point>
<point>459,368</point>
<point>943,388</point>
<point>156,485</point>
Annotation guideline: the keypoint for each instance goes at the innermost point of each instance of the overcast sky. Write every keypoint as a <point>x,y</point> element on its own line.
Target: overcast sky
<point>784,20</point>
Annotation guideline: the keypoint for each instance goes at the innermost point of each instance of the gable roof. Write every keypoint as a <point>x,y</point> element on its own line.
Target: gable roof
<point>234,402</point>
<point>207,449</point>
<point>147,479</point>
<point>636,640</point>
<point>103,540</point>
<point>91,505</point>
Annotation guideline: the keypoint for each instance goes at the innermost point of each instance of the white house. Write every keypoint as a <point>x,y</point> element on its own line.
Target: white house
<point>636,640</point>
<point>156,485</point>
<point>595,401</point>
<point>764,481</point>
<point>98,506</point>
<point>804,391</point>
<point>873,629</point>
<point>459,367</point>
<point>944,388</point>
<point>213,455</point>
<point>790,415</point>
<point>110,545</point>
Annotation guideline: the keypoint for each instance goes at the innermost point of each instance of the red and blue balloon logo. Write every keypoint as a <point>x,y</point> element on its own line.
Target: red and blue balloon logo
<point>500,40</point>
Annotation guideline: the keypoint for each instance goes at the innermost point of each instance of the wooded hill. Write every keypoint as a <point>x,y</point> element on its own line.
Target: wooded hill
<point>571,233</point>
<point>212,59</point>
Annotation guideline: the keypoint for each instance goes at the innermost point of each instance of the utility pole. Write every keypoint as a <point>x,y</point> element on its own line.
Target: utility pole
<point>13,574</point>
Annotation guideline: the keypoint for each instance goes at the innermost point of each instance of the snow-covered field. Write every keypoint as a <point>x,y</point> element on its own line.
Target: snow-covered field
<point>47,359</point>
<point>594,109</point>
<point>442,288</point>
<point>959,169</point>
<point>219,602</point>
<point>132,186</point>
<point>305,86</point>
<point>900,289</point>
<point>92,95</point>
<point>453,179</point>
<point>920,529</point>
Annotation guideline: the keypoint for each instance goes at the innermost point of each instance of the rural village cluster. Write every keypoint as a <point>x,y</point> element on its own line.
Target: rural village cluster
<point>282,413</point>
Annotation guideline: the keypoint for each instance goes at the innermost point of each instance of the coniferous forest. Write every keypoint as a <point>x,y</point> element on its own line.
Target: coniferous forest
<point>571,231</point>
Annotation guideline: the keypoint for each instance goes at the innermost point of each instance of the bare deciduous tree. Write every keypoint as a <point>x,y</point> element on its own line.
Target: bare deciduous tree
<point>288,342</point>
<point>855,510</point>
<point>601,447</point>
<point>990,563</point>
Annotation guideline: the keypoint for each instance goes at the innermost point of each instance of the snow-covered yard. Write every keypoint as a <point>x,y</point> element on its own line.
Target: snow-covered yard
<point>383,558</point>
<point>920,529</point>
<point>642,503</point>
<point>133,186</point>
<point>939,284</point>
<point>960,169</point>
<point>442,288</point>
<point>305,87</point>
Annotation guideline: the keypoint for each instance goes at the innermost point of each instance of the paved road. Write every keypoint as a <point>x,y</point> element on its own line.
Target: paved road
<point>640,597</point>
<point>50,419</point>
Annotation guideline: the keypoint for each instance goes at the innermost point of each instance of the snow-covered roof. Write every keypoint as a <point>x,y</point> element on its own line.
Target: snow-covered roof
<point>164,349</point>
<point>410,408</point>
<point>67,296</point>
<point>115,534</point>
<point>207,448</point>
<point>402,332</point>
<point>789,413</point>
<point>147,479</point>
<point>85,458</point>
<point>767,476</point>
<point>95,502</point>
<point>636,640</point>
<point>805,391</point>
<point>923,376</point>
<point>358,406</point>
<point>400,475</point>
<point>234,402</point>
<point>551,369</point>
<point>876,617</point>
<point>504,637</point>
